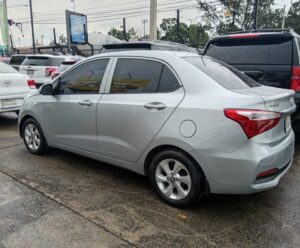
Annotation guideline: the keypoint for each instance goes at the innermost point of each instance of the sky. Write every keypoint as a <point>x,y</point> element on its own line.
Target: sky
<point>102,15</point>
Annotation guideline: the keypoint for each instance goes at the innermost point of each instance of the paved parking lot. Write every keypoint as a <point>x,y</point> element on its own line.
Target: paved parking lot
<point>64,200</point>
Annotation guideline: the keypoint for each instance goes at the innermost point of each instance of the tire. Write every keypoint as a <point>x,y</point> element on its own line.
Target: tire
<point>33,137</point>
<point>183,185</point>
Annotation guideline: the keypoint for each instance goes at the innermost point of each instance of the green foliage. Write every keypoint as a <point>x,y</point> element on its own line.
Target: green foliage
<point>116,33</point>
<point>194,35</point>
<point>293,17</point>
<point>240,15</point>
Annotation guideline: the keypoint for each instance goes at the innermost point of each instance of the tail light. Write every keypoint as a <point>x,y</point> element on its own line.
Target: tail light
<point>31,84</point>
<point>49,71</point>
<point>295,79</point>
<point>55,74</point>
<point>268,173</point>
<point>254,122</point>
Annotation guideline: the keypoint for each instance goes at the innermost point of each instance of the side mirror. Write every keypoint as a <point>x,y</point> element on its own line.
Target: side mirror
<point>47,90</point>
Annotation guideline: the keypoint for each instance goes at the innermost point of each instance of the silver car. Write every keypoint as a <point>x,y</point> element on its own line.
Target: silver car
<point>192,124</point>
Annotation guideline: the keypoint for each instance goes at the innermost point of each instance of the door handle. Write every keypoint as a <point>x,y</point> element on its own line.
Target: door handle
<point>155,106</point>
<point>86,103</point>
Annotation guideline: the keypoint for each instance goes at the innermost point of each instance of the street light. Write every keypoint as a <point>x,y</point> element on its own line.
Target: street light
<point>73,1</point>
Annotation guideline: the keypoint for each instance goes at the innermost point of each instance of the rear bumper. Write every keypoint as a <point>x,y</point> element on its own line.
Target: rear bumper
<point>236,172</point>
<point>20,99</point>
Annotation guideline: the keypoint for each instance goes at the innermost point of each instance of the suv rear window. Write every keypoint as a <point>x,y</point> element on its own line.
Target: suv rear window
<point>270,52</point>
<point>225,75</point>
<point>43,61</point>
<point>17,60</point>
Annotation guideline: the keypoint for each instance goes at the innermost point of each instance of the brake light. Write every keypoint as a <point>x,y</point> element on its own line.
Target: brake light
<point>239,36</point>
<point>31,84</point>
<point>254,122</point>
<point>49,71</point>
<point>55,74</point>
<point>267,173</point>
<point>295,78</point>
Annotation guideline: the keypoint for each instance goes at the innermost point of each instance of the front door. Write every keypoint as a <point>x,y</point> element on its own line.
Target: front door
<point>142,96</point>
<point>70,115</point>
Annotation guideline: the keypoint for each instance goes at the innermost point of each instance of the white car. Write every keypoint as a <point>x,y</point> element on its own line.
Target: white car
<point>40,67</point>
<point>14,87</point>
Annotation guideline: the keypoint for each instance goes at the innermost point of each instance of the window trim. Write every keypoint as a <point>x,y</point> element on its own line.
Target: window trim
<point>56,83</point>
<point>114,65</point>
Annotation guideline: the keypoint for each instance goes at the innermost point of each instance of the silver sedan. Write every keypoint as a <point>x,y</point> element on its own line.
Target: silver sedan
<point>192,124</point>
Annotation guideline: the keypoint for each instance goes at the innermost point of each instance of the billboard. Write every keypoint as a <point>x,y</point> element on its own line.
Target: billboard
<point>76,28</point>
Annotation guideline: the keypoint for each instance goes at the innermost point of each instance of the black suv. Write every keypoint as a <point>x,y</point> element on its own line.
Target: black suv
<point>271,57</point>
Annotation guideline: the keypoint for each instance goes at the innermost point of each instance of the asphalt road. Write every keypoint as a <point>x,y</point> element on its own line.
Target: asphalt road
<point>64,200</point>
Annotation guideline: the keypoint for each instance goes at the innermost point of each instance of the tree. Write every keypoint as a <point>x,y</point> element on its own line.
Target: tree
<point>130,34</point>
<point>293,17</point>
<point>194,35</point>
<point>232,15</point>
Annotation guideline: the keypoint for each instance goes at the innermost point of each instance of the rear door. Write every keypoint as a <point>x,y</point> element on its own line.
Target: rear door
<point>140,97</point>
<point>267,59</point>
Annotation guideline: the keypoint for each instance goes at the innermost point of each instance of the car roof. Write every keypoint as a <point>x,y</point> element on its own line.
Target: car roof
<point>149,45</point>
<point>146,53</point>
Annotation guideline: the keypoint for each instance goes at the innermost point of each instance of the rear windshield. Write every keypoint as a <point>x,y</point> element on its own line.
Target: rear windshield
<point>43,61</point>
<point>252,52</point>
<point>4,68</point>
<point>17,60</point>
<point>225,75</point>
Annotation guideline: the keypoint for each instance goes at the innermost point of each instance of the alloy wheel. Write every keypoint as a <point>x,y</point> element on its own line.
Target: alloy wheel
<point>173,179</point>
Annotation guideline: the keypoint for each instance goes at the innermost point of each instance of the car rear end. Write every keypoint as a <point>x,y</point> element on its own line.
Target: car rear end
<point>14,87</point>
<point>40,67</point>
<point>256,147</point>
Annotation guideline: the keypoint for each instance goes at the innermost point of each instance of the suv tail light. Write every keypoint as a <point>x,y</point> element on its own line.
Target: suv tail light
<point>295,79</point>
<point>31,84</point>
<point>55,74</point>
<point>254,122</point>
<point>49,71</point>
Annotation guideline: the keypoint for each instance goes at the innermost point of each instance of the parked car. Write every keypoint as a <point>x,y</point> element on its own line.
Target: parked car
<point>192,124</point>
<point>64,66</point>
<point>14,87</point>
<point>40,67</point>
<point>271,57</point>
<point>16,60</point>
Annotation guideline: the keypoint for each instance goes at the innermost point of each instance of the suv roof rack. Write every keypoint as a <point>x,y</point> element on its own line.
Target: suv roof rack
<point>263,31</point>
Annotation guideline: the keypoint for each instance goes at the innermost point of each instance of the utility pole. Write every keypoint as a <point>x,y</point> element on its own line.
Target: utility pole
<point>124,29</point>
<point>180,39</point>
<point>255,13</point>
<point>6,28</point>
<point>283,20</point>
<point>153,19</point>
<point>74,5</point>
<point>144,22</point>
<point>32,27</point>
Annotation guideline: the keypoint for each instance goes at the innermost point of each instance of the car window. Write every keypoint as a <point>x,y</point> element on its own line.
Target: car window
<point>227,76</point>
<point>253,52</point>
<point>168,81</point>
<point>43,61</point>
<point>136,76</point>
<point>17,60</point>
<point>4,68</point>
<point>84,79</point>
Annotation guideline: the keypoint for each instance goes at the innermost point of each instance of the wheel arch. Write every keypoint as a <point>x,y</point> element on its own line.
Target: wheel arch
<point>161,148</point>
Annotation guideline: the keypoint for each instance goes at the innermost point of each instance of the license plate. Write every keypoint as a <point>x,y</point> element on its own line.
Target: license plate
<point>29,72</point>
<point>8,104</point>
<point>287,123</point>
